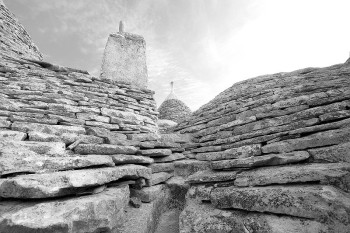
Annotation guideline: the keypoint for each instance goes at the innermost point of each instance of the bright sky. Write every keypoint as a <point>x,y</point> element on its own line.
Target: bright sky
<point>204,46</point>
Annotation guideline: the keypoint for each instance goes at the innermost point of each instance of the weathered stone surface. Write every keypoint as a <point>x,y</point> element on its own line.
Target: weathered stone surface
<point>240,152</point>
<point>102,125</point>
<point>211,176</point>
<point>190,166</point>
<point>176,137</point>
<point>12,135</point>
<point>173,109</point>
<point>5,123</point>
<point>170,158</point>
<point>148,194</point>
<point>104,149</point>
<point>131,159</point>
<point>105,133</point>
<point>144,137</point>
<point>66,182</point>
<point>48,129</point>
<point>157,178</point>
<point>336,174</point>
<point>156,152</point>
<point>322,203</point>
<point>335,115</point>
<point>91,116</point>
<point>337,153</point>
<point>14,161</point>
<point>86,214</point>
<point>263,160</point>
<point>202,217</point>
<point>326,138</point>
<point>124,59</point>
<point>200,193</point>
<point>162,167</point>
<point>44,148</point>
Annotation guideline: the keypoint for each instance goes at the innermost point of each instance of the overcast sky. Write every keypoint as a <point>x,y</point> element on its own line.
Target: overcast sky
<point>204,46</point>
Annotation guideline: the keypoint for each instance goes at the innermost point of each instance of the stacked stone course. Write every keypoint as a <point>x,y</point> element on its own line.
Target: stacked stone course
<point>276,151</point>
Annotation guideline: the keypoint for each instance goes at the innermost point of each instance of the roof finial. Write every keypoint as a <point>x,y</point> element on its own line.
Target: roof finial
<point>121,26</point>
<point>172,86</point>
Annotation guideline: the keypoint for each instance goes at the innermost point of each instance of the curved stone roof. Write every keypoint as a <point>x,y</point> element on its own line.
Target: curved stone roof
<point>173,108</point>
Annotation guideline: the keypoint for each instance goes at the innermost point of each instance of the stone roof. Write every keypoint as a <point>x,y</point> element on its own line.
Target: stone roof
<point>173,108</point>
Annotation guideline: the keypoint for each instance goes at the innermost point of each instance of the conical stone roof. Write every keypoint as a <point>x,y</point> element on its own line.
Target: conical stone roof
<point>173,109</point>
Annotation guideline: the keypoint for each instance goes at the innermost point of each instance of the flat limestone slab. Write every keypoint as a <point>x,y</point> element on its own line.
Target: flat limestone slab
<point>131,159</point>
<point>202,217</point>
<point>234,153</point>
<point>48,129</point>
<point>336,174</point>
<point>211,176</point>
<point>104,149</point>
<point>156,152</point>
<point>42,148</point>
<point>12,135</point>
<point>66,182</point>
<point>318,202</point>
<point>337,153</point>
<point>326,138</point>
<point>85,214</point>
<point>263,160</point>
<point>157,178</point>
<point>170,158</point>
<point>162,167</point>
<point>14,161</point>
<point>189,166</point>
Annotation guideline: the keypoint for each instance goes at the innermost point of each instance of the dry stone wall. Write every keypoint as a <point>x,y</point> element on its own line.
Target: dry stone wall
<point>15,40</point>
<point>276,152</point>
<point>174,110</point>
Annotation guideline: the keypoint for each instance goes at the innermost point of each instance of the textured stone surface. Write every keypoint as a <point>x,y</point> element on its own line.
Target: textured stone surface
<point>15,39</point>
<point>42,148</point>
<point>162,167</point>
<point>322,203</point>
<point>211,176</point>
<point>124,59</point>
<point>240,152</point>
<point>170,158</point>
<point>156,152</point>
<point>67,182</point>
<point>148,194</point>
<point>157,178</point>
<point>315,140</point>
<point>174,110</point>
<point>131,159</point>
<point>337,153</point>
<point>86,214</point>
<point>104,149</point>
<point>336,174</point>
<point>263,160</point>
<point>48,129</point>
<point>12,135</point>
<point>190,166</point>
<point>201,217</point>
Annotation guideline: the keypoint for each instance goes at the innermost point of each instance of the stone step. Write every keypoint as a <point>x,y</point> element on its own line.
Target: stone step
<point>66,182</point>
<point>91,213</point>
<point>263,160</point>
<point>336,174</point>
<point>317,202</point>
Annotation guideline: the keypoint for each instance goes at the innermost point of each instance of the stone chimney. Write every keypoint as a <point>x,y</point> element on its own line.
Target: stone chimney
<point>124,58</point>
